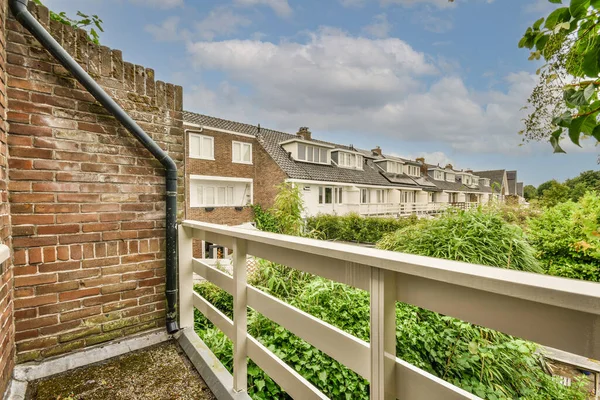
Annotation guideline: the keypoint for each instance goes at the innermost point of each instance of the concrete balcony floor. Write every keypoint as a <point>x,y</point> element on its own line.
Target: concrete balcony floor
<point>160,372</point>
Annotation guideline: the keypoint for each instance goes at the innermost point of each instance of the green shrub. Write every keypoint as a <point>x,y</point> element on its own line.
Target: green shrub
<point>354,228</point>
<point>476,237</point>
<point>567,238</point>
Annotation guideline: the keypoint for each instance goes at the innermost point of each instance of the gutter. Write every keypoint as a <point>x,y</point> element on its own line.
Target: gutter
<point>22,14</point>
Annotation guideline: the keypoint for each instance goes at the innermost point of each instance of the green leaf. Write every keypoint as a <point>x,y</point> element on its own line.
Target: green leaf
<point>575,97</point>
<point>575,129</point>
<point>260,384</point>
<point>555,1</point>
<point>578,8</point>
<point>473,348</point>
<point>557,16</point>
<point>538,23</point>
<point>555,139</point>
<point>596,133</point>
<point>589,64</point>
<point>589,91</point>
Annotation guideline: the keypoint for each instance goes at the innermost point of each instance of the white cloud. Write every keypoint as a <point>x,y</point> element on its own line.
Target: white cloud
<point>431,22</point>
<point>168,31</point>
<point>280,7</point>
<point>353,86</point>
<point>220,21</point>
<point>164,4</point>
<point>380,28</point>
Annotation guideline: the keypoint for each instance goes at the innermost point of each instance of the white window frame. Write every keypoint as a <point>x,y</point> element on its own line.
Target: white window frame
<point>438,175</point>
<point>311,149</point>
<point>413,171</point>
<point>366,199</point>
<point>219,181</point>
<point>323,195</point>
<point>450,177</point>
<point>350,160</point>
<point>199,154</point>
<point>241,144</point>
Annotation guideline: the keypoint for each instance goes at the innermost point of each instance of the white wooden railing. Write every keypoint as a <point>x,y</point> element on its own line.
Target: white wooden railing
<point>560,313</point>
<point>389,209</point>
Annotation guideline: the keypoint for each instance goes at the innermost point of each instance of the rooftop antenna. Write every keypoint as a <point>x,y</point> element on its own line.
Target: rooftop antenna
<point>259,129</point>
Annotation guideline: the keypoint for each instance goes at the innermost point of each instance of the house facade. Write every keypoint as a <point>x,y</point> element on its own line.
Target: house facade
<point>231,165</point>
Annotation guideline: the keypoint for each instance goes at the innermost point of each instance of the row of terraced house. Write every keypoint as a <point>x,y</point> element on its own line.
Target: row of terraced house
<point>231,165</point>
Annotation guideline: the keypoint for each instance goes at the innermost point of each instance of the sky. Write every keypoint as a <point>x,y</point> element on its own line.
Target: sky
<point>419,78</point>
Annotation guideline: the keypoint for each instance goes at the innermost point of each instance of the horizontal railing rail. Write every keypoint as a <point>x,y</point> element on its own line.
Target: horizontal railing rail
<point>556,312</point>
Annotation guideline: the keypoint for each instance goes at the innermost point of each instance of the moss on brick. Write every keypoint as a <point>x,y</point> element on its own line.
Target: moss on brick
<point>119,324</point>
<point>105,337</point>
<point>63,348</point>
<point>30,356</point>
<point>68,337</point>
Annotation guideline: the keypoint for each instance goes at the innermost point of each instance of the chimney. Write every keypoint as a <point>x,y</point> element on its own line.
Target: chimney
<point>423,165</point>
<point>470,171</point>
<point>449,166</point>
<point>377,150</point>
<point>304,133</point>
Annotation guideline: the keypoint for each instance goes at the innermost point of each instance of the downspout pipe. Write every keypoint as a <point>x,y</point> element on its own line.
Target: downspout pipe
<point>22,14</point>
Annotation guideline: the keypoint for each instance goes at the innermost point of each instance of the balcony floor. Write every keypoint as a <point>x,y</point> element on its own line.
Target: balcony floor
<point>160,372</point>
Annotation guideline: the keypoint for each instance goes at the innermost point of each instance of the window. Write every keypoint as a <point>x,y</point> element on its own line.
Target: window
<point>467,180</point>
<point>350,160</point>
<point>202,147</point>
<point>430,197</point>
<point>413,170</point>
<point>326,195</point>
<point>486,182</point>
<point>365,197</point>
<point>438,175</point>
<point>407,197</point>
<point>242,153</point>
<point>475,181</point>
<point>380,195</point>
<point>394,167</point>
<point>211,192</point>
<point>337,195</point>
<point>450,177</point>
<point>312,153</point>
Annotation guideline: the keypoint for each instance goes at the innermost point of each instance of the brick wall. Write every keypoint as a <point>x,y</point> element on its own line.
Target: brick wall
<point>264,171</point>
<point>7,346</point>
<point>87,201</point>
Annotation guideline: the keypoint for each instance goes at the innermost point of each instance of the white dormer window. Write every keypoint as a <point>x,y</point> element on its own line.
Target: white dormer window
<point>312,154</point>
<point>350,160</point>
<point>413,170</point>
<point>450,177</point>
<point>486,182</point>
<point>475,181</point>
<point>466,180</point>
<point>202,147</point>
<point>394,167</point>
<point>242,152</point>
<point>438,175</point>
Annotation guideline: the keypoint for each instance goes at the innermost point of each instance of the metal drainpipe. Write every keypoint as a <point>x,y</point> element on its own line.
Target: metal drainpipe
<point>22,14</point>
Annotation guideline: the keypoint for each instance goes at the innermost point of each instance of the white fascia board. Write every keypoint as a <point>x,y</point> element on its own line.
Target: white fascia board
<point>326,183</point>
<point>211,128</point>
<point>347,151</point>
<point>220,178</point>
<point>310,142</point>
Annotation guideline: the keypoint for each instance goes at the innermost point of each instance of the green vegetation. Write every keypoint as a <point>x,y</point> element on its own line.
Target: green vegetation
<point>286,214</point>
<point>354,228</point>
<point>485,362</point>
<point>552,192</point>
<point>567,238</point>
<point>84,21</point>
<point>476,237</point>
<point>565,101</point>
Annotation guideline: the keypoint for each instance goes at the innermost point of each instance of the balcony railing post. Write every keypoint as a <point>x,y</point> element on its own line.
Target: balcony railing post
<point>240,317</point>
<point>383,334</point>
<point>186,277</point>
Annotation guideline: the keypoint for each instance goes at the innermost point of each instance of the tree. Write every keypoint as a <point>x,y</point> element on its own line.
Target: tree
<point>557,193</point>
<point>565,103</point>
<point>543,187</point>
<point>529,192</point>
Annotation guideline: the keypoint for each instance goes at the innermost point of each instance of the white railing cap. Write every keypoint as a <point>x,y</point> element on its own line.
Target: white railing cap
<point>566,293</point>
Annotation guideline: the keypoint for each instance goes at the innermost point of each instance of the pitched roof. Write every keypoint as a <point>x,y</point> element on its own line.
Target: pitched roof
<point>371,174</point>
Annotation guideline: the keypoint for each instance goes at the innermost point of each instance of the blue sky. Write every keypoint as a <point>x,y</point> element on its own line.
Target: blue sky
<point>416,77</point>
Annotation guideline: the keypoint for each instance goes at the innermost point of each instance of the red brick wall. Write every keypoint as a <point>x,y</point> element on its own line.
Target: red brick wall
<point>87,201</point>
<point>7,346</point>
<point>264,171</point>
